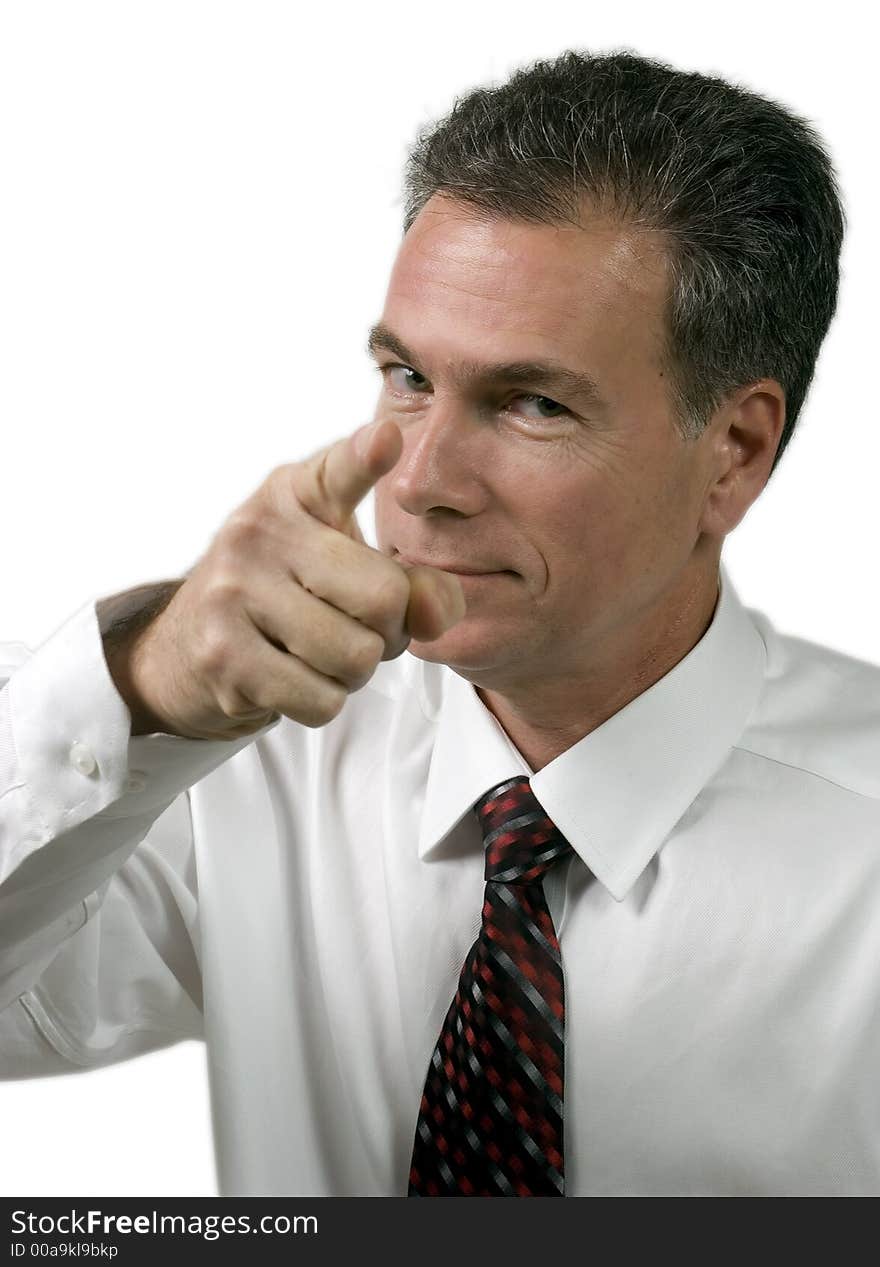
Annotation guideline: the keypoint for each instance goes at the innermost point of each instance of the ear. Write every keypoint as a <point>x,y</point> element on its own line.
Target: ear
<point>744,440</point>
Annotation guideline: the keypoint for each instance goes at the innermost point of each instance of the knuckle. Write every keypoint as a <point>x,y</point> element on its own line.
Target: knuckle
<point>281,475</point>
<point>278,475</point>
<point>326,705</point>
<point>281,484</point>
<point>243,530</point>
<point>213,652</point>
<point>224,591</point>
<point>365,654</point>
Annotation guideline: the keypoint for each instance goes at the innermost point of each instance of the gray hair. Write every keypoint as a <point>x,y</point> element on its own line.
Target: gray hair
<point>742,189</point>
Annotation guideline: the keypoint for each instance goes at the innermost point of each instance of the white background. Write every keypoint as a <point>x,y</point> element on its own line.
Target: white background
<point>199,205</point>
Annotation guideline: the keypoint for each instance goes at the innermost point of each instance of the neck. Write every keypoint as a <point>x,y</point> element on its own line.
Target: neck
<point>547,714</point>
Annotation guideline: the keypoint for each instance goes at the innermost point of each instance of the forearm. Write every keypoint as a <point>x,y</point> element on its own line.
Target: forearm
<point>78,795</point>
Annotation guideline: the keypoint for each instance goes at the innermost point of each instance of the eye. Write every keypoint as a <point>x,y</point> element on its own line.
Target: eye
<point>407,380</point>
<point>403,380</point>
<point>543,403</point>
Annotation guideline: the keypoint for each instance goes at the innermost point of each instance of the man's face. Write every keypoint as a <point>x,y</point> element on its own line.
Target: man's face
<point>580,511</point>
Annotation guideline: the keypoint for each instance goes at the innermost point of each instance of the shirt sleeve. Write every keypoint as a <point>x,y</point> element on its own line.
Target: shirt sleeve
<point>99,946</point>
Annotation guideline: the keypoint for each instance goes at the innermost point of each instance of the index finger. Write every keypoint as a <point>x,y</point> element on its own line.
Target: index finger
<point>332,482</point>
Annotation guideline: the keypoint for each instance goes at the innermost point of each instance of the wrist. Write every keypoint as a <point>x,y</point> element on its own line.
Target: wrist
<point>123,619</point>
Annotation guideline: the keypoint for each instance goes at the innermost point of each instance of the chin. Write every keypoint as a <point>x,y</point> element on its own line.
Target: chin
<point>466,650</point>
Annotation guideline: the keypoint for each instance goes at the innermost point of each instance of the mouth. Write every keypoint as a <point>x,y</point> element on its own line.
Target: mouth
<point>457,569</point>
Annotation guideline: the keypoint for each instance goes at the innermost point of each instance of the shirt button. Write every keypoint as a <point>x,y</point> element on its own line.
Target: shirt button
<point>136,781</point>
<point>82,758</point>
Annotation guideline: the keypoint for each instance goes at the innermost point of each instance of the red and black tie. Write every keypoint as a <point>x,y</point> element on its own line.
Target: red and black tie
<point>490,1122</point>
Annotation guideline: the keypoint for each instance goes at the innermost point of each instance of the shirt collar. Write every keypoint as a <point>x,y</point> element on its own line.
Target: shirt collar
<point>618,792</point>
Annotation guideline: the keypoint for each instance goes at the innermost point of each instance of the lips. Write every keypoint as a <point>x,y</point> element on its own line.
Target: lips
<point>459,569</point>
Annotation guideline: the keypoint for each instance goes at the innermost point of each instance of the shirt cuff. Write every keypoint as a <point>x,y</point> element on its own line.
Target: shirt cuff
<point>76,756</point>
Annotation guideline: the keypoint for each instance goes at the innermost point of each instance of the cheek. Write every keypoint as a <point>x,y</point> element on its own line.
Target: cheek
<point>598,529</point>
<point>585,520</point>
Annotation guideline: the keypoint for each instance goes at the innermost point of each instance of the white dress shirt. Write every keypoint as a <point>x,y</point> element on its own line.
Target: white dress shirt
<point>304,899</point>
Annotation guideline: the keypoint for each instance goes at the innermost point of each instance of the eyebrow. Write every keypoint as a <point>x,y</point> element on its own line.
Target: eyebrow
<point>549,374</point>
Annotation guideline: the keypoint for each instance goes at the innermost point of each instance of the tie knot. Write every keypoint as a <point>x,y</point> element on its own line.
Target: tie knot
<point>521,842</point>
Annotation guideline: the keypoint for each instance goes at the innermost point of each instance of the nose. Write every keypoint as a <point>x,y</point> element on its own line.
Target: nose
<point>440,467</point>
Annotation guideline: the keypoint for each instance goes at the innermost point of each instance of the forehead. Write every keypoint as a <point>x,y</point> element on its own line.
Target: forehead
<point>462,277</point>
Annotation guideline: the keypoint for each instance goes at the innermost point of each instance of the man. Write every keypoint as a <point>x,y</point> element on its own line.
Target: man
<point>233,809</point>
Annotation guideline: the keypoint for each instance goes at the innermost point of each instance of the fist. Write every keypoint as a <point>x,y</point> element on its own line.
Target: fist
<point>289,610</point>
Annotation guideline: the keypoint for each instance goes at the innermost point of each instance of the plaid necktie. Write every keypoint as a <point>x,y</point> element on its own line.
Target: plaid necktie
<point>490,1120</point>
